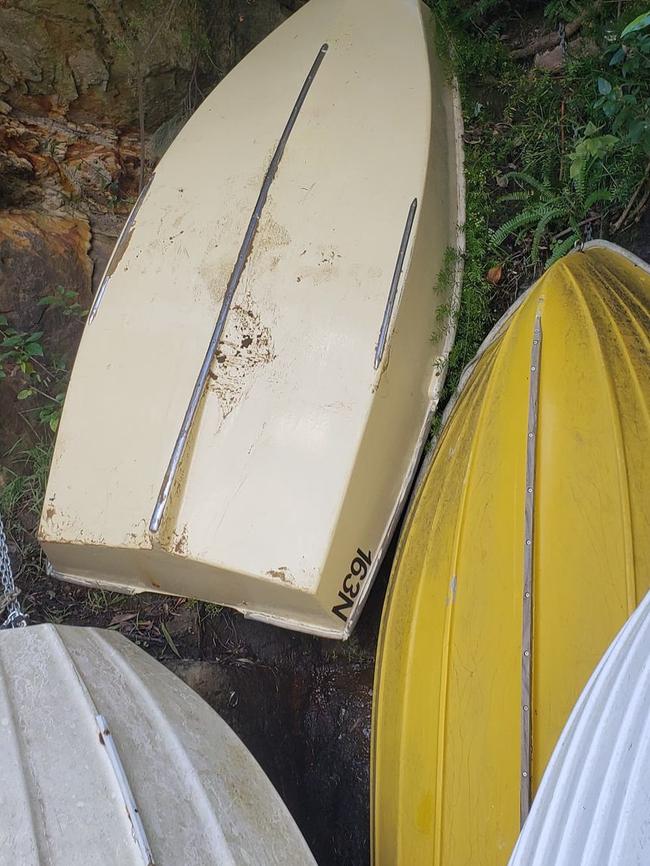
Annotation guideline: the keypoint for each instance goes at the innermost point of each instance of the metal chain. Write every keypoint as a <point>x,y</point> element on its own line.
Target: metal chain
<point>9,596</point>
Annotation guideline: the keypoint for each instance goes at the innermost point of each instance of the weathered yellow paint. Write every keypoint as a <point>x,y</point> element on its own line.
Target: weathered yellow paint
<point>446,737</point>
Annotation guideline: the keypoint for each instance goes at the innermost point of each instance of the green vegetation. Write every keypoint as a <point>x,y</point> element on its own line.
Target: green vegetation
<point>22,356</point>
<point>22,489</point>
<point>552,158</point>
<point>446,313</point>
<point>39,379</point>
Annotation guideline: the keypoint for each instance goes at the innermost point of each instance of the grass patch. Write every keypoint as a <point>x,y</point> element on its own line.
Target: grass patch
<point>22,489</point>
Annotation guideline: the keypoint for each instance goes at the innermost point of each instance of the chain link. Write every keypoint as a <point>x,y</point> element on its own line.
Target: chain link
<point>9,596</point>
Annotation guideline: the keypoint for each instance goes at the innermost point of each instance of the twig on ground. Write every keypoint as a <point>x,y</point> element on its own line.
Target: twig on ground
<point>619,222</point>
<point>641,206</point>
<point>638,211</point>
<point>568,231</point>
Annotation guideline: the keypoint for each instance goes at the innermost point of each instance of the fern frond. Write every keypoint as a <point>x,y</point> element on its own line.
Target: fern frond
<point>598,195</point>
<point>523,177</point>
<point>520,195</point>
<point>561,249</point>
<point>553,213</point>
<point>525,218</point>
<point>580,184</point>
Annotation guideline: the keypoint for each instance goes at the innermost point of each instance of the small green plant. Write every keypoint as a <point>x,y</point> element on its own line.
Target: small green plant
<point>446,314</point>
<point>24,490</point>
<point>50,414</point>
<point>624,92</point>
<point>472,318</point>
<point>447,272</point>
<point>591,148</point>
<point>66,300</point>
<point>18,349</point>
<point>22,354</point>
<point>98,601</point>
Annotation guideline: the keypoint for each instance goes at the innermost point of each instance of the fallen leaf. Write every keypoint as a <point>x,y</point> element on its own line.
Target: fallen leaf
<point>495,275</point>
<point>169,639</point>
<point>121,617</point>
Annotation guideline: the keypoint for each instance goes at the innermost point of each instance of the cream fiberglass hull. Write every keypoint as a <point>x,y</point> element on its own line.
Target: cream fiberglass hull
<point>318,398</point>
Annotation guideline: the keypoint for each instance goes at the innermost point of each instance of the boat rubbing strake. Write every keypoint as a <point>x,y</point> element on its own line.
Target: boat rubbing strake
<point>109,759</point>
<point>257,376</point>
<point>525,550</point>
<point>591,808</point>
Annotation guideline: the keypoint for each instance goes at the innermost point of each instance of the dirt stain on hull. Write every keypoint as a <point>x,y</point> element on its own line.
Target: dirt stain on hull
<point>245,346</point>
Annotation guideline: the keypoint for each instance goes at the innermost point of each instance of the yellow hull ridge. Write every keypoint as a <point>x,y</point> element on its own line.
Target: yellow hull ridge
<point>538,484</point>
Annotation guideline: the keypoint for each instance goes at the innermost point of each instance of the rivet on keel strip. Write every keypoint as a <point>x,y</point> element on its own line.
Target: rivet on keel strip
<point>233,282</point>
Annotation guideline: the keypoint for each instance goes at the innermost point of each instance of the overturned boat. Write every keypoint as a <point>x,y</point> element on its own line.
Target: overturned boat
<point>108,758</point>
<point>526,549</point>
<point>258,374</point>
<point>592,805</point>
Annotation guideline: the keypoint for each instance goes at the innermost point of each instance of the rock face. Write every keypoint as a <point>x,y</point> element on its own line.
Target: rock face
<point>38,252</point>
<point>77,81</point>
<point>86,60</point>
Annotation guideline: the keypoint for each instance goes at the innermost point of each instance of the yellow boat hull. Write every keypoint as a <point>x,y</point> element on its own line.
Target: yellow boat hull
<point>458,743</point>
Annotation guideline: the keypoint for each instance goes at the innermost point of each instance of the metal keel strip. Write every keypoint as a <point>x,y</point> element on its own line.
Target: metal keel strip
<point>527,598</point>
<point>233,282</point>
<point>106,739</point>
<point>118,249</point>
<point>392,292</point>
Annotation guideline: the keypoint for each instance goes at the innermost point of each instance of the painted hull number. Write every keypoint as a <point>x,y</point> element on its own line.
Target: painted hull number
<point>352,584</point>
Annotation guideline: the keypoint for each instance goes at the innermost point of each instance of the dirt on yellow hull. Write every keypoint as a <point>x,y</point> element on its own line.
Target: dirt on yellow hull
<point>526,548</point>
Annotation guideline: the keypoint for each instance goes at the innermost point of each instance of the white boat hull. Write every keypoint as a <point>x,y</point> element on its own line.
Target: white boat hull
<point>107,758</point>
<point>592,805</point>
